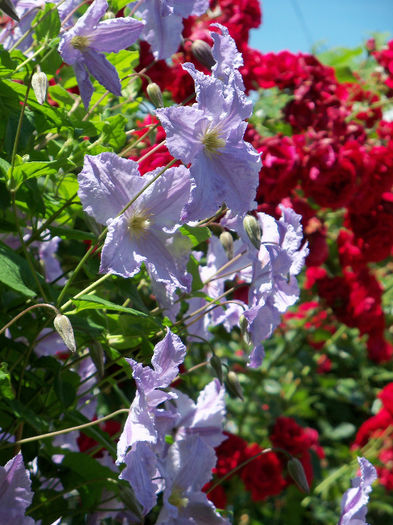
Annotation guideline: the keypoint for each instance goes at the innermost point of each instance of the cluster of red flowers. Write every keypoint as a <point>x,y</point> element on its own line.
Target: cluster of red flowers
<point>265,475</point>
<point>380,427</point>
<point>333,162</point>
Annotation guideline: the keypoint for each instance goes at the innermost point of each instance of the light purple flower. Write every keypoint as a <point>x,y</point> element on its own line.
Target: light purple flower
<point>355,499</point>
<point>164,23</point>
<point>15,493</point>
<point>147,231</point>
<point>141,423</point>
<point>188,467</point>
<point>204,418</point>
<point>83,45</point>
<point>209,135</point>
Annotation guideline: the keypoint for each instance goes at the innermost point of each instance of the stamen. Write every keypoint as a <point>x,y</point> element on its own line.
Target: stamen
<point>138,225</point>
<point>80,42</point>
<point>213,141</point>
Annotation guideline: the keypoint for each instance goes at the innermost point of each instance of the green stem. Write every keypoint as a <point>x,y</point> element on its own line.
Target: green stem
<point>31,57</point>
<point>86,290</point>
<point>40,305</point>
<point>67,430</point>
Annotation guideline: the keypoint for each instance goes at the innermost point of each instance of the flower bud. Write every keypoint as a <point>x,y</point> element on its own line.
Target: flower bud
<point>155,95</point>
<point>64,328</point>
<point>226,240</point>
<point>39,83</point>
<point>8,7</point>
<point>233,385</point>
<point>253,230</point>
<point>296,471</point>
<point>203,53</point>
<point>215,363</point>
<point>97,356</point>
<point>243,325</point>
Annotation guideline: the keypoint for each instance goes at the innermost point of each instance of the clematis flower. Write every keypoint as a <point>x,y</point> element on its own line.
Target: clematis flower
<point>355,499</point>
<point>209,135</point>
<point>15,493</point>
<point>164,23</point>
<point>147,231</point>
<point>83,45</point>
<point>141,423</point>
<point>187,469</point>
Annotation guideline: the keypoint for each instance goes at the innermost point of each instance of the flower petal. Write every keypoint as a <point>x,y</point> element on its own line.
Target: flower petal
<point>102,70</point>
<point>84,83</point>
<point>110,36</point>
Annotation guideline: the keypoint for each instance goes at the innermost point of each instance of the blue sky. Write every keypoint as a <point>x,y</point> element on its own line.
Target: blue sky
<point>295,24</point>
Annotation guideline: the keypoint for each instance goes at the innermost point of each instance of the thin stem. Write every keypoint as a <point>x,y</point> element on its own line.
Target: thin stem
<point>158,146</point>
<point>37,52</point>
<point>40,305</point>
<point>67,430</point>
<point>127,149</point>
<point>92,286</point>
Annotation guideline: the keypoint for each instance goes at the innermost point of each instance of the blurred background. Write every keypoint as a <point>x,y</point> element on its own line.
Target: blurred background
<point>306,25</point>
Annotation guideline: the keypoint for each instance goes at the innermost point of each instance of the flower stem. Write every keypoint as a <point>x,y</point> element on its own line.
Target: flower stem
<point>40,305</point>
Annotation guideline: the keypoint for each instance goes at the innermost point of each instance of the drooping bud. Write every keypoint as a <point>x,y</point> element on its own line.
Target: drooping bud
<point>39,83</point>
<point>97,356</point>
<point>64,328</point>
<point>203,53</point>
<point>8,7</point>
<point>243,325</point>
<point>215,363</point>
<point>155,95</point>
<point>226,240</point>
<point>233,385</point>
<point>253,230</point>
<point>296,471</point>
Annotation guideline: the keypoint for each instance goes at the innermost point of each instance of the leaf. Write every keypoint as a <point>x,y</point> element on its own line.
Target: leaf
<point>35,169</point>
<point>196,234</point>
<point>93,302</point>
<point>5,382</point>
<point>15,272</point>
<point>66,385</point>
<point>7,65</point>
<point>47,23</point>
<point>117,5</point>
<point>113,131</point>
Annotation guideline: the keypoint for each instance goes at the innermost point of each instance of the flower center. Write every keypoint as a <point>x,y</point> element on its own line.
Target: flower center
<point>213,141</point>
<point>138,225</point>
<point>80,42</point>
<point>176,498</point>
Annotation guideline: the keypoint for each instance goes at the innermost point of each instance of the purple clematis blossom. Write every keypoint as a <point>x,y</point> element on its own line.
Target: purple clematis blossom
<point>164,23</point>
<point>147,231</point>
<point>355,499</point>
<point>204,418</point>
<point>209,135</point>
<point>15,493</point>
<point>144,417</point>
<point>187,469</point>
<point>84,44</point>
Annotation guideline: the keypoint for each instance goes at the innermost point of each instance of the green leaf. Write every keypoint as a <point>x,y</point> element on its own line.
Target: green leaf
<point>340,56</point>
<point>113,131</point>
<point>7,65</point>
<point>5,382</point>
<point>35,169</point>
<point>193,269</point>
<point>48,23</point>
<point>66,384</point>
<point>196,234</point>
<point>15,272</point>
<point>93,302</point>
<point>117,5</point>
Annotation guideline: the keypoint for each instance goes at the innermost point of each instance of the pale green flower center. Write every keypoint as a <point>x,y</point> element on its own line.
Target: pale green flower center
<point>80,42</point>
<point>213,141</point>
<point>177,499</point>
<point>139,224</point>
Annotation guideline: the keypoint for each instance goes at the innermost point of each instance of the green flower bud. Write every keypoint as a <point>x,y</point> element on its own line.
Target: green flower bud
<point>155,95</point>
<point>215,363</point>
<point>253,230</point>
<point>39,83</point>
<point>64,328</point>
<point>296,471</point>
<point>233,385</point>
<point>203,53</point>
<point>97,356</point>
<point>226,240</point>
<point>243,325</point>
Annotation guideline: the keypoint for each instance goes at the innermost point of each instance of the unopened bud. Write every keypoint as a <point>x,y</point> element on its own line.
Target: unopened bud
<point>155,95</point>
<point>226,240</point>
<point>39,83</point>
<point>296,471</point>
<point>253,230</point>
<point>203,53</point>
<point>64,328</point>
<point>215,363</point>
<point>234,386</point>
<point>97,356</point>
<point>243,325</point>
